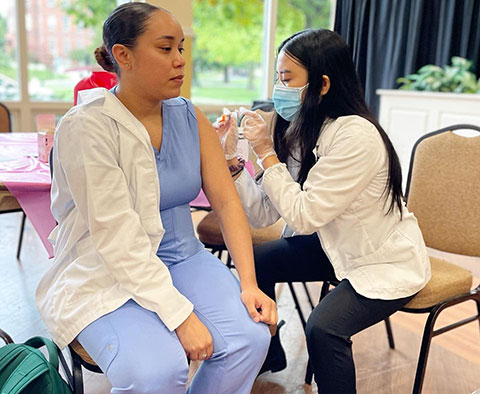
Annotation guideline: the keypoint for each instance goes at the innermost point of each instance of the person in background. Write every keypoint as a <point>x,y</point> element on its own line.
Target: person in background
<point>131,282</point>
<point>331,172</point>
<point>97,79</point>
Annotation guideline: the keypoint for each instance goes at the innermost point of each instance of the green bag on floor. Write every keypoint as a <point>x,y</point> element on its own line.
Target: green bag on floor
<point>24,369</point>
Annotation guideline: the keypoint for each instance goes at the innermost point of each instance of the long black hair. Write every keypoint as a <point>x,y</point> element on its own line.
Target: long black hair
<point>324,52</point>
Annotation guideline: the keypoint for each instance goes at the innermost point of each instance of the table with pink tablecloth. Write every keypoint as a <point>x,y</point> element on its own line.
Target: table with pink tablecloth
<point>28,180</point>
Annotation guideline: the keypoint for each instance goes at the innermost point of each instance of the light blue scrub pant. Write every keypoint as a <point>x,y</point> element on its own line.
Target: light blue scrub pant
<point>140,355</point>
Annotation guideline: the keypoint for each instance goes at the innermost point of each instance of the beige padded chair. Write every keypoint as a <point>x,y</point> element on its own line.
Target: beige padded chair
<point>443,186</point>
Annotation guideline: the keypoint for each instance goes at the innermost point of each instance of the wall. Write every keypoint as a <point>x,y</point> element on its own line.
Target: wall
<point>407,115</point>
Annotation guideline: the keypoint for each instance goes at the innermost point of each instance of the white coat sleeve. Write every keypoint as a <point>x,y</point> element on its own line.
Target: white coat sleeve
<point>88,155</point>
<point>256,204</point>
<point>352,160</point>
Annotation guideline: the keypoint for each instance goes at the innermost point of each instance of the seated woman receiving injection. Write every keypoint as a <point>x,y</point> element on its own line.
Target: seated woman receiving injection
<point>131,282</point>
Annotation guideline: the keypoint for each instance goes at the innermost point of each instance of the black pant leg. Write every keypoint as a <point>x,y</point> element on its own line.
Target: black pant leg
<point>294,259</point>
<point>341,314</point>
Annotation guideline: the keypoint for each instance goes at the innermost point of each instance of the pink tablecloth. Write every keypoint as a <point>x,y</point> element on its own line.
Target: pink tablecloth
<point>28,180</point>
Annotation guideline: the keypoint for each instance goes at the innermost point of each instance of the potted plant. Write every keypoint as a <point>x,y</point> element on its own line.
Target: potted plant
<point>456,78</point>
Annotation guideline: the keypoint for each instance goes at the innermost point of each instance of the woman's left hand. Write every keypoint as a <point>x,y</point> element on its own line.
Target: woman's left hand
<point>260,307</point>
<point>227,131</point>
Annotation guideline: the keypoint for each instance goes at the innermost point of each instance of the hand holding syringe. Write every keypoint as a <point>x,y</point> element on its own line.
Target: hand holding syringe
<point>231,135</point>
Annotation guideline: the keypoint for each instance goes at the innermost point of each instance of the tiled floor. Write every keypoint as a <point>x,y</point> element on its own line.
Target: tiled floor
<point>454,363</point>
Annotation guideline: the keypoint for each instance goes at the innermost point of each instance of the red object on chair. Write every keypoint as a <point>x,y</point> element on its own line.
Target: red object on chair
<point>98,79</point>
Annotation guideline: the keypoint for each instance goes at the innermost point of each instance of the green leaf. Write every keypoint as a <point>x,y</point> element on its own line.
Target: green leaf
<point>429,68</point>
<point>461,62</point>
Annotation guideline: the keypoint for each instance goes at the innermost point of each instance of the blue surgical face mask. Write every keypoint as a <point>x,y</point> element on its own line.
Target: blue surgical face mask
<point>287,101</point>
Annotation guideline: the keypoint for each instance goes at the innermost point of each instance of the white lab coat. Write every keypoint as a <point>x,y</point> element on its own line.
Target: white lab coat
<point>342,201</point>
<point>106,198</point>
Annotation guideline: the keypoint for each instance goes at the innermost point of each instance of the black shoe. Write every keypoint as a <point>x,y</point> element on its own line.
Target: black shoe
<point>276,360</point>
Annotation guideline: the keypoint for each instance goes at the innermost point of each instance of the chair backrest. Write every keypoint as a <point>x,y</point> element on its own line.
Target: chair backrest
<point>5,121</point>
<point>443,190</point>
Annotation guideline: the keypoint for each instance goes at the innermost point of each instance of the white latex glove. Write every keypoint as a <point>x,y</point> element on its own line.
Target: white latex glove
<point>255,130</point>
<point>227,131</point>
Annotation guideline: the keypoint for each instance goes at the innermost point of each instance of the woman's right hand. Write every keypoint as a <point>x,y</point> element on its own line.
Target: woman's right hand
<point>195,338</point>
<point>227,131</point>
<point>255,130</point>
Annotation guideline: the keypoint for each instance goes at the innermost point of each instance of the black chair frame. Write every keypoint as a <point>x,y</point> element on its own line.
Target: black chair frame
<point>77,364</point>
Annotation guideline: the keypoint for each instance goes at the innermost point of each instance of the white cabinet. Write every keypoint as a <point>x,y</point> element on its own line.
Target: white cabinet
<point>407,115</point>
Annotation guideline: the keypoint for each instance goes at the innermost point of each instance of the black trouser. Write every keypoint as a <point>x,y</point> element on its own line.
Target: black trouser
<point>341,314</point>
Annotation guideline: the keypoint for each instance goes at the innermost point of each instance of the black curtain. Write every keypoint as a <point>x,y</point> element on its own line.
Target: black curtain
<point>393,38</point>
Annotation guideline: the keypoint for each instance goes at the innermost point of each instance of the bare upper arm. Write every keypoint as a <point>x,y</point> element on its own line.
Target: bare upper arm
<point>216,179</point>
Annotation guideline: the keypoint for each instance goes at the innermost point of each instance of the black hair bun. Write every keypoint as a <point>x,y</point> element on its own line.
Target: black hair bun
<point>103,59</point>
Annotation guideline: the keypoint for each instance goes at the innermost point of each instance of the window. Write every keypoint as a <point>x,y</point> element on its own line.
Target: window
<point>66,46</point>
<point>28,22</point>
<point>52,23</point>
<point>228,44</point>
<point>9,86</point>
<point>56,63</point>
<point>294,16</point>
<point>227,51</point>
<point>52,46</point>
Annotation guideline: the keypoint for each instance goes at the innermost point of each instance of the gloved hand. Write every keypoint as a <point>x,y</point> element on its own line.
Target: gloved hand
<point>227,131</point>
<point>255,130</point>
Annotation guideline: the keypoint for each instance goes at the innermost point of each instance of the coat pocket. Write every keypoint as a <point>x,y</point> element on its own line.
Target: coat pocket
<point>396,248</point>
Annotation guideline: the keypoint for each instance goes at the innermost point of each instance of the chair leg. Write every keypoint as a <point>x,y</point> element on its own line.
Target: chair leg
<point>297,305</point>
<point>77,373</point>
<point>308,295</point>
<point>324,291</point>
<point>229,262</point>
<point>424,349</point>
<point>20,239</point>
<point>388,326</point>
<point>218,251</point>
<point>66,369</point>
